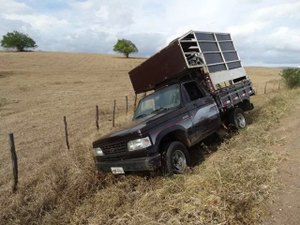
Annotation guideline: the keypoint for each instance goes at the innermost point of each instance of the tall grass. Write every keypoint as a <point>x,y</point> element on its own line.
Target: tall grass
<point>229,187</point>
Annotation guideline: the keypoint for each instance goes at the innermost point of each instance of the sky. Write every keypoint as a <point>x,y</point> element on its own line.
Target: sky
<point>265,32</point>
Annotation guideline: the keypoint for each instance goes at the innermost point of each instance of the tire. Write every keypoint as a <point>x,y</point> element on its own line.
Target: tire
<point>237,118</point>
<point>175,158</point>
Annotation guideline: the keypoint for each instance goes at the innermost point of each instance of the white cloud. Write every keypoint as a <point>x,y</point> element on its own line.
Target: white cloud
<point>264,31</point>
<point>284,9</point>
<point>14,7</point>
<point>39,22</point>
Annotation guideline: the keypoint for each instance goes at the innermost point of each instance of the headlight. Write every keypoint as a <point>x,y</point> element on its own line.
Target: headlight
<point>98,151</point>
<point>139,144</point>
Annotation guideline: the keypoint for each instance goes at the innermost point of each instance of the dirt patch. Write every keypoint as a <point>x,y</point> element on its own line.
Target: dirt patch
<point>285,207</point>
<point>3,102</point>
<point>4,74</point>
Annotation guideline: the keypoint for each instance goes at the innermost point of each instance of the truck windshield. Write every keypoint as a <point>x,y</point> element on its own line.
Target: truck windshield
<point>163,99</point>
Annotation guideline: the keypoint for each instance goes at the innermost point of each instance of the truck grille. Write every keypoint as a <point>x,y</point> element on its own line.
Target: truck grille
<point>114,148</point>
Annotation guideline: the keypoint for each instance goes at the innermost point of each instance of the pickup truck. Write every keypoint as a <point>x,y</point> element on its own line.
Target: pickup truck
<point>193,93</point>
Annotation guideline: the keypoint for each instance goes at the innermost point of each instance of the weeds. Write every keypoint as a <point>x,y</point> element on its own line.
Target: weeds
<point>291,77</point>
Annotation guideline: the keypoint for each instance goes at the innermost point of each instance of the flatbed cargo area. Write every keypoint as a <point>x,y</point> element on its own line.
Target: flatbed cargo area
<point>234,95</point>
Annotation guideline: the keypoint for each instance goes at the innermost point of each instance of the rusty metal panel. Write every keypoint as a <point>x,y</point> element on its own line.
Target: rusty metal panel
<point>162,66</point>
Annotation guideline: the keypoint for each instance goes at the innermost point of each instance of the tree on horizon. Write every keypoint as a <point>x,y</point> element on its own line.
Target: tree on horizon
<point>126,47</point>
<point>17,40</point>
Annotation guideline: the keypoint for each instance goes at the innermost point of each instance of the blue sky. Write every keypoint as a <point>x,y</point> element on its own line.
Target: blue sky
<point>265,32</point>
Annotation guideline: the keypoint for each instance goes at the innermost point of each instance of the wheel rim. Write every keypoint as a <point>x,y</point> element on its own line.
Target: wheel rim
<point>240,120</point>
<point>179,161</point>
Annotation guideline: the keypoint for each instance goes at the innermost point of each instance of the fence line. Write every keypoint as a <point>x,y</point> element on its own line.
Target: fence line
<point>266,89</point>
<point>268,86</point>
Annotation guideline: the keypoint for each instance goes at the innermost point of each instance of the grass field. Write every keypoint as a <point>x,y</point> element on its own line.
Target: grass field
<point>60,186</point>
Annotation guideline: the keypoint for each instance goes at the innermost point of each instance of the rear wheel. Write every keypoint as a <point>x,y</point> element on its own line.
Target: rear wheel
<point>175,158</point>
<point>237,118</point>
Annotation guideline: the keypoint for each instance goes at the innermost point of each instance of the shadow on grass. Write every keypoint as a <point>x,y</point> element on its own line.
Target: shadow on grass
<point>204,149</point>
<point>130,57</point>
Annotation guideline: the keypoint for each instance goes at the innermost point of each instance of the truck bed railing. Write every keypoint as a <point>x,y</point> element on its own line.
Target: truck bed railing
<point>229,97</point>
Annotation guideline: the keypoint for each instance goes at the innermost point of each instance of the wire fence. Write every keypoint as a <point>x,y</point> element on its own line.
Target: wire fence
<point>118,107</point>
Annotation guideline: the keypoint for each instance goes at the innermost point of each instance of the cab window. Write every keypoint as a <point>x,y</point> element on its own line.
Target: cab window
<point>193,91</point>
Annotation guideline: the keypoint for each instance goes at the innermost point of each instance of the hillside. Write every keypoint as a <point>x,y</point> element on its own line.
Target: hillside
<point>59,186</point>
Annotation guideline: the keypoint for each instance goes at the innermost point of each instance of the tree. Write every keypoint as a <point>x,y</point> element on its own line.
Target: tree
<point>125,47</point>
<point>17,40</point>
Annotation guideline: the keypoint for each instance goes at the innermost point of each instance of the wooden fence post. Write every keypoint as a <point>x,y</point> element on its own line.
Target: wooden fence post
<point>114,114</point>
<point>265,91</point>
<point>274,86</point>
<point>97,117</point>
<point>66,132</point>
<point>135,100</point>
<point>126,100</point>
<point>14,160</point>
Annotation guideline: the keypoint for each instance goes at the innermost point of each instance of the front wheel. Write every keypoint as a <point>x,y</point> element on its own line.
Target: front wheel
<point>175,158</point>
<point>237,118</point>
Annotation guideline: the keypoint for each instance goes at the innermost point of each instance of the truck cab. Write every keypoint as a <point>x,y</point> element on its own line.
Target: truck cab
<point>176,116</point>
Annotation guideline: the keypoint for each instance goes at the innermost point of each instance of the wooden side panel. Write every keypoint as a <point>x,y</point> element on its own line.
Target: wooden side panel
<point>162,66</point>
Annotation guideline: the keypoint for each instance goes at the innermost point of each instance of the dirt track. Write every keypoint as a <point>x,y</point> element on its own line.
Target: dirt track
<point>286,206</point>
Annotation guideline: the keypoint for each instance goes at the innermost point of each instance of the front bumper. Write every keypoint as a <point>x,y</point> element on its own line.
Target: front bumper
<point>149,163</point>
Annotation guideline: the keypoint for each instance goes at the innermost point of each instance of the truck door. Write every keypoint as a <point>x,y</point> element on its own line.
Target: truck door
<point>203,111</point>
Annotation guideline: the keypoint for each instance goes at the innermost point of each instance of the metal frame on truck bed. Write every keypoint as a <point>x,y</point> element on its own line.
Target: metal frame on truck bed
<point>212,54</point>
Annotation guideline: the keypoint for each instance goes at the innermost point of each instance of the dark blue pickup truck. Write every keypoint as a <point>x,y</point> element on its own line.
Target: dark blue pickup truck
<point>190,99</point>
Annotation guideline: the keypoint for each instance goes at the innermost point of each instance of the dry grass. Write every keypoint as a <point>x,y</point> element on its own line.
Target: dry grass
<point>59,186</point>
<point>229,187</point>
<point>261,75</point>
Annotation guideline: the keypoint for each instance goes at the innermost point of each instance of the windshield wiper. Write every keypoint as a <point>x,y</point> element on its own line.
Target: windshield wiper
<point>140,116</point>
<point>154,111</point>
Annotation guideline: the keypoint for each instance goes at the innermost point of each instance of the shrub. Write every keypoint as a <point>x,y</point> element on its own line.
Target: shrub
<point>291,77</point>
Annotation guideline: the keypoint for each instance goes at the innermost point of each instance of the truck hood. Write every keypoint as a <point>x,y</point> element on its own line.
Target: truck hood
<point>137,128</point>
